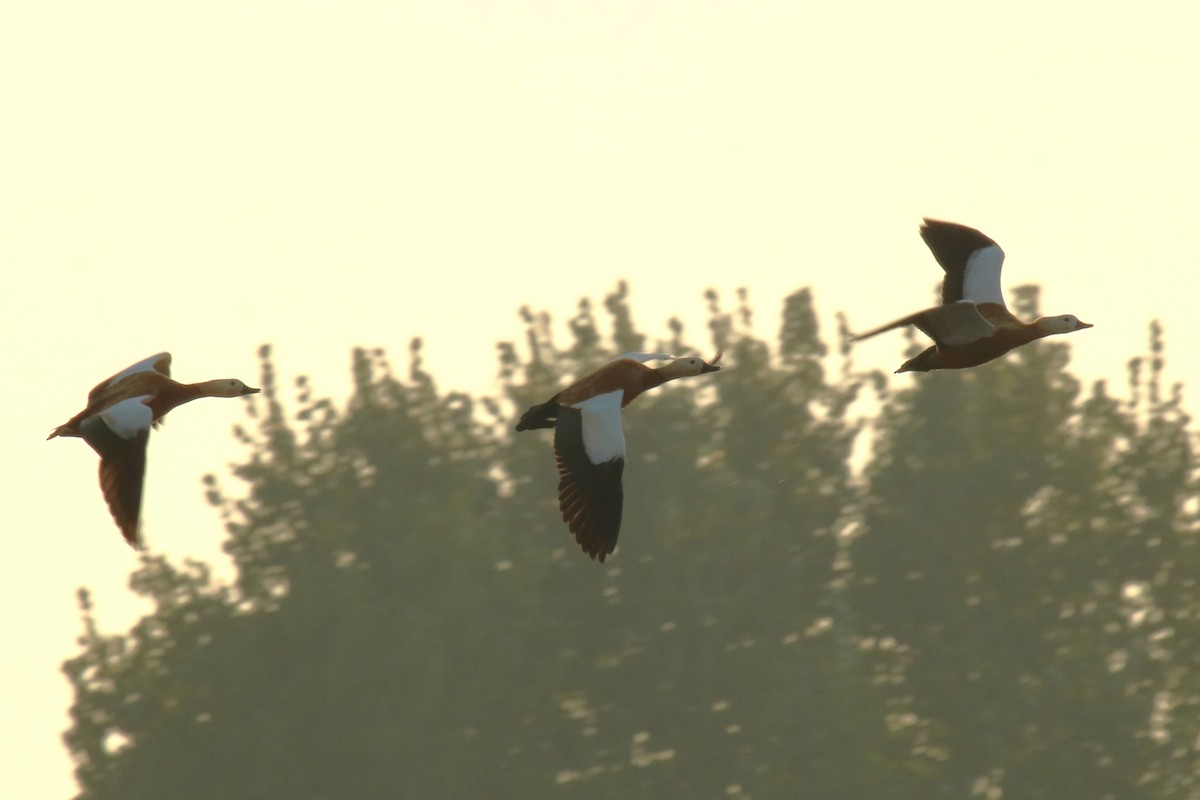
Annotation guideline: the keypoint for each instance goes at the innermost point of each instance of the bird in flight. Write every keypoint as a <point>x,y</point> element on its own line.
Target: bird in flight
<point>589,444</point>
<point>116,423</point>
<point>972,325</point>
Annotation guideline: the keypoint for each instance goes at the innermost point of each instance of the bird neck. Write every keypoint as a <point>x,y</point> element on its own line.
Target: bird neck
<point>191,391</point>
<point>175,394</point>
<point>645,380</point>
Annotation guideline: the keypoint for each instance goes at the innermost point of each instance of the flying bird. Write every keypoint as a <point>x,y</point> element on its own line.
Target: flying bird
<point>972,325</point>
<point>116,423</point>
<point>589,445</point>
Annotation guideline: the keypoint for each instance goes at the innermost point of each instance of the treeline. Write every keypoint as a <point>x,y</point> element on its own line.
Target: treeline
<point>987,589</point>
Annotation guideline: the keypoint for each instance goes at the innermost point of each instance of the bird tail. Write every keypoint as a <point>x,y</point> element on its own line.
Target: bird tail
<point>544,415</point>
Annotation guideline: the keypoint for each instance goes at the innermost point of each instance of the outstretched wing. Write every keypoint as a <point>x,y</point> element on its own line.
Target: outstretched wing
<point>950,325</point>
<point>971,260</point>
<point>120,434</point>
<point>644,357</point>
<point>589,447</point>
<point>954,325</point>
<point>160,363</point>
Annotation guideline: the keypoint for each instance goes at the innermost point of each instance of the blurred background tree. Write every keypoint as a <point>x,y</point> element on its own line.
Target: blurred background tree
<point>1011,533</point>
<point>987,591</point>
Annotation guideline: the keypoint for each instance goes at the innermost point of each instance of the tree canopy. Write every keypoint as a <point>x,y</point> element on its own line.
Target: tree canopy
<point>981,584</point>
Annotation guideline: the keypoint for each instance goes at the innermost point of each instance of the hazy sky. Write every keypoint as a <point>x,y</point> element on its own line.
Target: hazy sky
<point>204,178</point>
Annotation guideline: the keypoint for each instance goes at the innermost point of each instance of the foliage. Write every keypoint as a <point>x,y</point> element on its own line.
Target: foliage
<point>998,600</point>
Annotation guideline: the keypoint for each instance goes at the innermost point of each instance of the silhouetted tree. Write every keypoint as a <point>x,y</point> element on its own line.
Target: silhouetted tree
<point>1000,599</point>
<point>1010,536</point>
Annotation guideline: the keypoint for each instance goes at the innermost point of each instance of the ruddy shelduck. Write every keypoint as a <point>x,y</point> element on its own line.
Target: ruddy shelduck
<point>973,325</point>
<point>117,421</point>
<point>589,445</point>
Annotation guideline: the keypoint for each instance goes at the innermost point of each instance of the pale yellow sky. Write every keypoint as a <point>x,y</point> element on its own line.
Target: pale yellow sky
<point>204,178</point>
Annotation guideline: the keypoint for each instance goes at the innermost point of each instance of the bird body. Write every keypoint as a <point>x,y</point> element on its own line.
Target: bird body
<point>627,374</point>
<point>589,443</point>
<point>973,325</point>
<point>116,423</point>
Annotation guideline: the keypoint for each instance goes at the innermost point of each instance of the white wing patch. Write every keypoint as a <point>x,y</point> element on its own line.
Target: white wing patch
<point>603,439</point>
<point>981,276</point>
<point>644,357</point>
<point>129,417</point>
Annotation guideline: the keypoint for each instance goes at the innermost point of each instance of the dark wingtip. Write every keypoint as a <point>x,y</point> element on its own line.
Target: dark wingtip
<point>61,430</point>
<point>129,532</point>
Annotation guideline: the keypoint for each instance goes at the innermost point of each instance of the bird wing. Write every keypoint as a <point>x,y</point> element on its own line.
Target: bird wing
<point>999,316</point>
<point>589,448</point>
<point>954,325</point>
<point>972,262</point>
<point>120,434</point>
<point>950,325</point>
<point>644,357</point>
<point>160,363</point>
<point>900,323</point>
